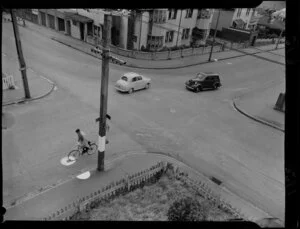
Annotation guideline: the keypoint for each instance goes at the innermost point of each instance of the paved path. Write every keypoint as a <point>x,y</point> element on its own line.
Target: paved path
<point>39,86</point>
<point>260,106</point>
<point>55,198</point>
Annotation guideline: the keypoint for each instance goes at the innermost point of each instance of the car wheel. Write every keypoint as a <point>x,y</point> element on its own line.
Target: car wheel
<point>130,90</point>
<point>147,86</point>
<point>215,86</point>
<point>198,89</point>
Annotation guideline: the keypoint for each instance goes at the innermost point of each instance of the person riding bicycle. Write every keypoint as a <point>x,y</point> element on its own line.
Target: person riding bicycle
<point>82,141</point>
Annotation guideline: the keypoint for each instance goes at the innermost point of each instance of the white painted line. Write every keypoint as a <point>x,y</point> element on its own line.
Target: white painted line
<point>65,161</point>
<point>172,110</point>
<point>215,59</point>
<point>229,63</point>
<point>84,176</point>
<point>55,88</point>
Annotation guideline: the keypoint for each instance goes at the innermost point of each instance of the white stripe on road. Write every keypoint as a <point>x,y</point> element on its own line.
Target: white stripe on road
<point>101,143</point>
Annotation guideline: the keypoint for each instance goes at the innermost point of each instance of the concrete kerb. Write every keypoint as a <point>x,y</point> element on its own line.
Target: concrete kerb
<point>254,118</point>
<point>24,100</point>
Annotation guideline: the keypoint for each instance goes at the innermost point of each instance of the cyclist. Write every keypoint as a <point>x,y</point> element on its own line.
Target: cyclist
<point>82,141</point>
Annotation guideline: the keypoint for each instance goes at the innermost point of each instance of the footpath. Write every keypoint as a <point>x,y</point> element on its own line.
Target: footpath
<point>56,198</point>
<point>39,86</point>
<point>260,107</point>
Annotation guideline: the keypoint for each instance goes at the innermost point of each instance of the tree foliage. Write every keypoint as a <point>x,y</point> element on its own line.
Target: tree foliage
<point>187,209</point>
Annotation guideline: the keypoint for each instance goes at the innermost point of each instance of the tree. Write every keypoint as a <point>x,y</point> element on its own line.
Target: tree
<point>187,209</point>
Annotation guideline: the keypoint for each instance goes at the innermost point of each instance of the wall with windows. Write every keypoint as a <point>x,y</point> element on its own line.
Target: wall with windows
<point>173,19</point>
<point>225,20</point>
<point>188,21</point>
<point>244,14</point>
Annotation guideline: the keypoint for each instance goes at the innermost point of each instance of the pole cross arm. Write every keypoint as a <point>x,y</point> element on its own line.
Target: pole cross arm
<point>107,116</point>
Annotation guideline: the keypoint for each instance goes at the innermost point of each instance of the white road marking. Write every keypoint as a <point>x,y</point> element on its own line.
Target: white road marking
<point>65,161</point>
<point>172,110</point>
<point>84,175</point>
<point>229,63</point>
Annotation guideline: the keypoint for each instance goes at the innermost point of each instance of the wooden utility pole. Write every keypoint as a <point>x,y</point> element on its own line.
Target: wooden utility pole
<point>215,33</point>
<point>104,91</point>
<point>20,54</point>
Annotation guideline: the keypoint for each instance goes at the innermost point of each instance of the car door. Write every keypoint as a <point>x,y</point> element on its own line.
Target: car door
<point>209,82</point>
<point>134,83</point>
<point>205,82</point>
<point>139,82</point>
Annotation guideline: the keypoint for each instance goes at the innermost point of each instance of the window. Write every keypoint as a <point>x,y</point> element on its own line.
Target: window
<point>239,13</point>
<point>185,34</point>
<point>139,78</point>
<point>159,16</point>
<point>155,41</point>
<point>124,78</point>
<point>97,30</point>
<point>247,12</point>
<point>204,14</point>
<point>169,36</point>
<point>189,13</point>
<point>74,22</point>
<point>172,14</point>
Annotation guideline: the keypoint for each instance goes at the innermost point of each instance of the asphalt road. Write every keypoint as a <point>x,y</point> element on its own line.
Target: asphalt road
<point>204,129</point>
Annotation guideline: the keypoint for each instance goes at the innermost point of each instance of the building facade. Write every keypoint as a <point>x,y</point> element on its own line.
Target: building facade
<point>246,19</point>
<point>137,29</point>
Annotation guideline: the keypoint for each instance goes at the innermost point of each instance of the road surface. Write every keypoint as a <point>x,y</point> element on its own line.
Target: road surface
<point>203,129</point>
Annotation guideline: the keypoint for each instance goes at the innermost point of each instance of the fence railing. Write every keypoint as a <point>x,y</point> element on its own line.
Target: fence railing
<point>132,181</point>
<point>8,82</point>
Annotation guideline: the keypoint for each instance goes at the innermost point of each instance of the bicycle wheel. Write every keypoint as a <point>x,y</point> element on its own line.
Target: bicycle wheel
<point>93,149</point>
<point>73,155</point>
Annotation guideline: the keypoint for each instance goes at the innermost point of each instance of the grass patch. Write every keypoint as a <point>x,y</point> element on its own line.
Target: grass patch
<point>151,203</point>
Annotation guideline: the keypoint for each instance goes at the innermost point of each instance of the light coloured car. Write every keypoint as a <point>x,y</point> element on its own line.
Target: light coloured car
<point>131,82</point>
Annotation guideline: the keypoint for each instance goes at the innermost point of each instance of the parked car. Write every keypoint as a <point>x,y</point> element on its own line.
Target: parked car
<point>131,81</point>
<point>117,60</point>
<point>204,80</point>
<point>97,50</point>
<point>113,59</point>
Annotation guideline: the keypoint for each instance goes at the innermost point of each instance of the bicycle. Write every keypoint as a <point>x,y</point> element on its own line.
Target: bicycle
<point>76,153</point>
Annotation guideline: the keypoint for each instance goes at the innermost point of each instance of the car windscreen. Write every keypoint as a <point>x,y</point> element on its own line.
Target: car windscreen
<point>200,77</point>
<point>124,78</point>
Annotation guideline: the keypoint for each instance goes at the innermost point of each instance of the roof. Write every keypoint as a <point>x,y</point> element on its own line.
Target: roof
<point>209,73</point>
<point>77,17</point>
<point>131,74</point>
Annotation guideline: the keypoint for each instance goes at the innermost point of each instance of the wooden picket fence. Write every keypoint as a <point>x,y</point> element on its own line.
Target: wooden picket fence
<point>132,181</point>
<point>8,82</point>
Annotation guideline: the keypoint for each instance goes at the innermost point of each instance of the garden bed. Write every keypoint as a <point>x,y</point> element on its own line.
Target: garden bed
<point>151,202</point>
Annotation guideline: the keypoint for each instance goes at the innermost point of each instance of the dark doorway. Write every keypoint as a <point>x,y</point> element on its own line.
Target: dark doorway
<point>69,28</point>
<point>43,17</point>
<point>61,24</point>
<point>81,30</point>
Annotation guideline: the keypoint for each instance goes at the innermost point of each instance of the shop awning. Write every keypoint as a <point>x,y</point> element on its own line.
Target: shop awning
<point>77,17</point>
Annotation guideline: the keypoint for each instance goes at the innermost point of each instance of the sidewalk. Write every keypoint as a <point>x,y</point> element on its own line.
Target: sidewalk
<point>54,199</point>
<point>145,64</point>
<point>38,85</point>
<point>262,110</point>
